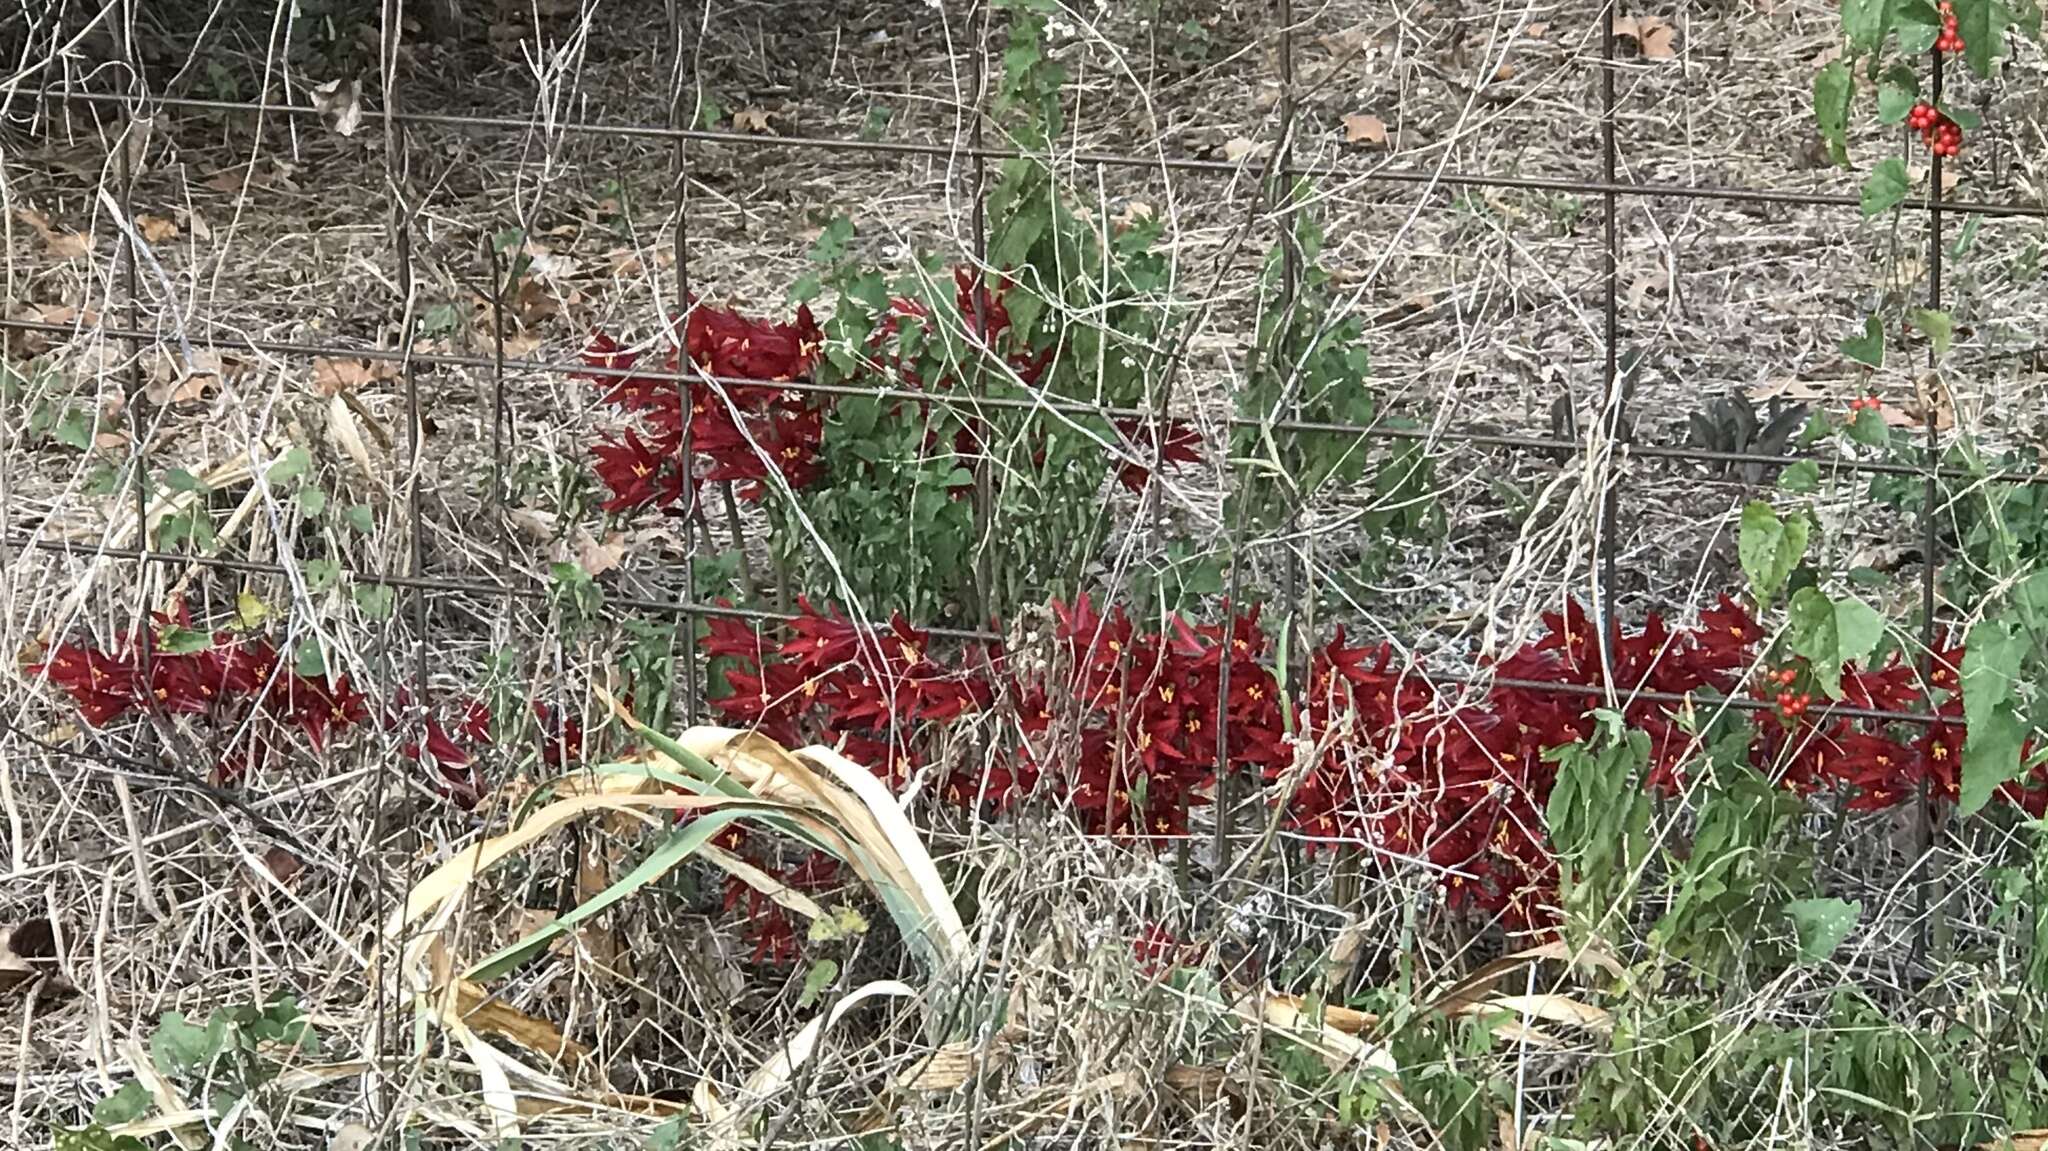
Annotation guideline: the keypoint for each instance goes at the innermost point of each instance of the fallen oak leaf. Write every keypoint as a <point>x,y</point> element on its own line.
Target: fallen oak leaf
<point>157,229</point>
<point>64,245</point>
<point>1365,128</point>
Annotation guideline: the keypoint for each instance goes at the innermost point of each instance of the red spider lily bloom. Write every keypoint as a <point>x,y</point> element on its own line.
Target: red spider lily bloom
<point>1182,440</point>
<point>476,721</point>
<point>775,942</point>
<point>1573,636</point>
<point>735,638</point>
<point>817,872</point>
<point>561,736</point>
<point>1941,751</point>
<point>1728,633</point>
<point>637,474</point>
<point>769,700</point>
<point>1942,672</point>
<point>725,343</point>
<point>1890,688</point>
<point>1883,772</point>
<point>103,686</point>
<point>1157,949</point>
<point>824,639</point>
<point>888,760</point>
<point>244,667</point>
<point>180,685</point>
<point>320,709</point>
<point>978,303</point>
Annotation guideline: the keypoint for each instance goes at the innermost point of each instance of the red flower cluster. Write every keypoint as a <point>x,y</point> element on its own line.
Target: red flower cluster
<point>775,938</point>
<point>225,681</point>
<point>838,682</point>
<point>1182,440</point>
<point>785,427</point>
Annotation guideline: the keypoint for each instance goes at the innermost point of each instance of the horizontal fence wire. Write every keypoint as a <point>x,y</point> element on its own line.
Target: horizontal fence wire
<point>450,585</point>
<point>1063,405</point>
<point>1159,161</point>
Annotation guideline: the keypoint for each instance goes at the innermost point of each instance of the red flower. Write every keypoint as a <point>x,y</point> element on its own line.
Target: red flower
<point>103,686</point>
<point>1182,440</point>
<point>320,708</point>
<point>824,640</point>
<point>561,736</point>
<point>637,474</point>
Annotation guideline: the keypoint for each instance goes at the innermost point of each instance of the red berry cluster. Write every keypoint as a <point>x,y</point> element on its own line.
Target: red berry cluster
<point>226,681</point>
<point>1944,136</point>
<point>1950,40</point>
<point>1866,404</point>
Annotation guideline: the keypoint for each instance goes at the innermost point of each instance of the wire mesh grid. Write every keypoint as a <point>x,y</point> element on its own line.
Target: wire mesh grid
<point>1602,450</point>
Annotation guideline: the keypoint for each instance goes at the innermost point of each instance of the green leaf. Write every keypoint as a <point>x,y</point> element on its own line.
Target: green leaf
<point>1803,476</point>
<point>312,501</point>
<point>290,466</point>
<point>182,1048</point>
<point>1865,22</point>
<point>1992,659</point>
<point>321,574</point>
<point>845,923</point>
<point>178,479</point>
<point>74,430</point>
<point>1829,633</point>
<point>128,1104</point>
<point>1869,428</point>
<point>1833,88</point>
<point>1982,26</point>
<point>1770,548</point>
<point>1991,756</point>
<point>1937,325</point>
<point>1968,121</point>
<point>667,1135</point>
<point>1897,92</point>
<point>358,517</point>
<point>309,660</point>
<point>679,846</point>
<point>183,641</point>
<point>1886,186</point>
<point>1822,925</point>
<point>1867,348</point>
<point>376,600</point>
<point>820,976</point>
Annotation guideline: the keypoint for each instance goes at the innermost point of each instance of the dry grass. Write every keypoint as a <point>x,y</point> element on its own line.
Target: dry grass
<point>1485,304</point>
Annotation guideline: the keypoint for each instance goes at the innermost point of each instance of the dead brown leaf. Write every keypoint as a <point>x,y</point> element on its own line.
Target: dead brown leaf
<point>332,375</point>
<point>340,103</point>
<point>157,229</point>
<point>63,245</point>
<point>599,558</point>
<point>753,119</point>
<point>1365,128</point>
<point>1535,31</point>
<point>1658,39</point>
<point>491,1016</point>
<point>173,380</point>
<point>1237,149</point>
<point>227,180</point>
<point>282,864</point>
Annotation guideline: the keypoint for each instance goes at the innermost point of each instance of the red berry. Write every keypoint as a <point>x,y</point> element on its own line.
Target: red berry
<point>1805,698</point>
<point>1785,699</point>
<point>1855,405</point>
<point>1873,403</point>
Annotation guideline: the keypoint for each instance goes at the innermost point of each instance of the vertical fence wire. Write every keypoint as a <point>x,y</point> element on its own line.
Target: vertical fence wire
<point>1930,540</point>
<point>128,140</point>
<point>1612,429</point>
<point>685,447</point>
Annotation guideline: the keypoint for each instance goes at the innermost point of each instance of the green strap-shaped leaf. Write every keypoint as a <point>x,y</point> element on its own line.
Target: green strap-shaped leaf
<point>679,846</point>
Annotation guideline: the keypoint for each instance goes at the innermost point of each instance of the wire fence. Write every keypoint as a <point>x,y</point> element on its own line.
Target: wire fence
<point>1601,449</point>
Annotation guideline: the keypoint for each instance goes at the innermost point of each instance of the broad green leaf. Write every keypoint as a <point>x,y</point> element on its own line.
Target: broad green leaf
<point>308,659</point>
<point>312,501</point>
<point>1830,633</point>
<point>358,517</point>
<point>1992,660</point>
<point>820,976</point>
<point>290,466</point>
<point>1822,925</point>
<point>1991,756</point>
<point>1897,91</point>
<point>1869,428</point>
<point>183,641</point>
<point>376,600</point>
<point>1803,476</point>
<point>1885,187</point>
<point>1770,548</point>
<point>1865,22</point>
<point>1833,87</point>
<point>180,1047</point>
<point>74,430</point>
<point>1938,326</point>
<point>1969,121</point>
<point>1982,26</point>
<point>178,479</point>
<point>667,1135</point>
<point>128,1104</point>
<point>1917,24</point>
<point>1867,348</point>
